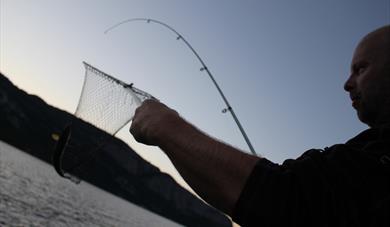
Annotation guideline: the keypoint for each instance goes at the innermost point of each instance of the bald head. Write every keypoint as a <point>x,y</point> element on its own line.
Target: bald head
<point>381,34</point>
<point>369,82</point>
<point>378,43</point>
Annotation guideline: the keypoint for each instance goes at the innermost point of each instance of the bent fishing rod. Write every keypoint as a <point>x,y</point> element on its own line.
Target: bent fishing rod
<point>203,68</point>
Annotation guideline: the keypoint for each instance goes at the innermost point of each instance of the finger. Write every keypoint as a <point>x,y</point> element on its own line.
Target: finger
<point>138,111</point>
<point>147,101</point>
<point>138,136</point>
<point>133,128</point>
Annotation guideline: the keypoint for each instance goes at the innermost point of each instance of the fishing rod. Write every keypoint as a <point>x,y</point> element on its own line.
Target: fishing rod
<point>203,68</point>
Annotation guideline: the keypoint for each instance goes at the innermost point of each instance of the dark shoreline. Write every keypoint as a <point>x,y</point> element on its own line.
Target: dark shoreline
<point>28,123</point>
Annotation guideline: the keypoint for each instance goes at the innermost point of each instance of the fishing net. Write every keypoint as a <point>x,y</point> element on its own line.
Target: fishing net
<point>107,102</point>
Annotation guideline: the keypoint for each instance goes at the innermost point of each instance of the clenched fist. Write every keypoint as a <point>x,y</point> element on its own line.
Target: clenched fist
<point>153,121</point>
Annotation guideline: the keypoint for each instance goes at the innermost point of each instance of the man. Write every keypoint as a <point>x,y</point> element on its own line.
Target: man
<point>344,185</point>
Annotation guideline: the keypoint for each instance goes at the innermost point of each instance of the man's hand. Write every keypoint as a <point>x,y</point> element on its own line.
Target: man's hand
<point>152,120</point>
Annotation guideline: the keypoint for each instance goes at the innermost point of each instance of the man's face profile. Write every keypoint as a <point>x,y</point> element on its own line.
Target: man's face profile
<point>369,82</point>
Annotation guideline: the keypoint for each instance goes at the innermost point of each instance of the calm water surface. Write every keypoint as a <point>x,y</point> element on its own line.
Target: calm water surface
<point>32,194</point>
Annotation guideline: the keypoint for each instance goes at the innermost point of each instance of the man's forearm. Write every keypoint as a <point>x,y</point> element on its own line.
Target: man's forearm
<point>216,171</point>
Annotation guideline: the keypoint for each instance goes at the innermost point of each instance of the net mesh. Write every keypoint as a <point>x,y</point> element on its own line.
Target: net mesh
<point>107,102</point>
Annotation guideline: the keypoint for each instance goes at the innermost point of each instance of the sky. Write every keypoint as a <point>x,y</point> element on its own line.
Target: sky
<point>281,64</point>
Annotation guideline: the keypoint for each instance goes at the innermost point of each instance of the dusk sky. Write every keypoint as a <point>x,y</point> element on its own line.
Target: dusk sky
<point>281,64</point>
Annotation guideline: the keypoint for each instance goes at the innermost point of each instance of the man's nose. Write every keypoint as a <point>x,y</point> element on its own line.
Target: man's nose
<point>349,84</point>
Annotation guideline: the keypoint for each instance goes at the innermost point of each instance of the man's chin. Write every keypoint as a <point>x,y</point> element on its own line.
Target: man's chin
<point>362,117</point>
<point>366,118</point>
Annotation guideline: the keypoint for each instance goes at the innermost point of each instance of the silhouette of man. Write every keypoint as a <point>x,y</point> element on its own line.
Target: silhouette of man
<point>343,185</point>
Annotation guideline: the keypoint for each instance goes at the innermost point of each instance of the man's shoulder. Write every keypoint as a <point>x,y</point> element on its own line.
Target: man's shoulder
<point>379,134</point>
<point>373,142</point>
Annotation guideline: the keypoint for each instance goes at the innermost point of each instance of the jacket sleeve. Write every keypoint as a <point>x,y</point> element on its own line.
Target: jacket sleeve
<point>302,192</point>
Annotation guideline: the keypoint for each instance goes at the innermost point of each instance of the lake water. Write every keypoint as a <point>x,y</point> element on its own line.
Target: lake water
<point>32,194</point>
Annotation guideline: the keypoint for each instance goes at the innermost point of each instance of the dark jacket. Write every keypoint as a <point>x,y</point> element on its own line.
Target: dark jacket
<point>344,185</point>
